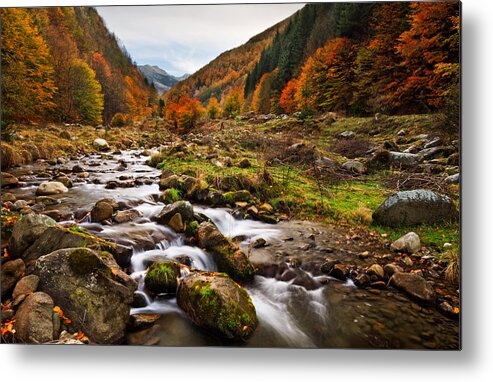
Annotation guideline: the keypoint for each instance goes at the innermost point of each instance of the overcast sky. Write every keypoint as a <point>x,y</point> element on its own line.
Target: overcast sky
<point>182,39</point>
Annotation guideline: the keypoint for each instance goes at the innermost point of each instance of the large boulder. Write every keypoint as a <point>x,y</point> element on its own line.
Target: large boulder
<point>216,303</point>
<point>101,145</point>
<point>27,230</point>
<point>414,285</point>
<point>408,208</point>
<point>38,235</point>
<point>51,188</point>
<point>11,272</point>
<point>409,243</point>
<point>404,160</point>
<point>162,277</point>
<point>91,290</point>
<point>228,257</point>
<point>9,180</point>
<point>34,319</point>
<point>181,207</point>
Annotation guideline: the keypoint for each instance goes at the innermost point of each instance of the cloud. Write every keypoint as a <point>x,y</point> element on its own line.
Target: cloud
<point>182,39</point>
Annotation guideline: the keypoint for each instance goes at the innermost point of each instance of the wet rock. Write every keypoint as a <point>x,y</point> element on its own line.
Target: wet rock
<point>390,269</point>
<point>162,277</point>
<point>51,188</point>
<point>327,266</point>
<point>172,181</point>
<point>407,208</point>
<point>142,321</point>
<point>228,257</point>
<point>101,144</point>
<point>19,205</point>
<point>90,289</point>
<point>176,223</point>
<point>376,270</point>
<point>409,243</point>
<point>111,185</point>
<point>453,179</point>
<point>126,216</point>
<point>214,198</point>
<point>181,207</point>
<point>46,200</point>
<point>11,271</point>
<point>8,197</point>
<point>78,168</point>
<point>216,303</point>
<point>244,163</point>
<point>27,231</point>
<point>25,286</point>
<point>404,160</point>
<point>362,280</point>
<point>266,207</point>
<point>448,310</point>
<point>378,285</point>
<point>339,271</point>
<point>304,280</point>
<point>354,166</point>
<point>139,300</point>
<point>9,180</point>
<point>123,255</point>
<point>145,337</point>
<point>101,211</point>
<point>33,320</point>
<point>414,285</point>
<point>259,243</point>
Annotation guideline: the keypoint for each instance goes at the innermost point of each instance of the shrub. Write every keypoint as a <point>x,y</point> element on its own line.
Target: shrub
<point>118,120</point>
<point>351,148</point>
<point>452,272</point>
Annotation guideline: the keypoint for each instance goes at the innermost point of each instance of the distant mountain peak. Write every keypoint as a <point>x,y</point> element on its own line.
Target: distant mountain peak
<point>161,79</point>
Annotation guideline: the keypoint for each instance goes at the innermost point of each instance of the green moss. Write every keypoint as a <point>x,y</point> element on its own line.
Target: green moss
<point>171,195</point>
<point>232,261</point>
<point>191,228</point>
<point>162,277</point>
<point>82,262</point>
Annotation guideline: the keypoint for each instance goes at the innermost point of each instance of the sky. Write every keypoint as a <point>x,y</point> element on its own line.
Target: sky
<point>182,39</point>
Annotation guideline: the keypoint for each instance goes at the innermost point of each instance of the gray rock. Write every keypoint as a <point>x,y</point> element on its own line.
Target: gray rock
<point>414,285</point>
<point>216,303</point>
<point>19,205</point>
<point>409,243</point>
<point>9,180</point>
<point>34,319</point>
<point>126,216</point>
<point>408,208</point>
<point>90,289</point>
<point>347,134</point>
<point>27,230</point>
<point>404,160</point>
<point>453,179</point>
<point>11,272</point>
<point>436,152</point>
<point>51,188</point>
<point>101,144</point>
<point>354,166</point>
<point>8,197</point>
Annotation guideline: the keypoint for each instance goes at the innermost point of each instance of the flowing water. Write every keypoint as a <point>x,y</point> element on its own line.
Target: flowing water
<point>333,314</point>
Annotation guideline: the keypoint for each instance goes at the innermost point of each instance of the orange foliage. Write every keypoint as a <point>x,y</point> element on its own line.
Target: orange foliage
<point>185,113</point>
<point>288,96</point>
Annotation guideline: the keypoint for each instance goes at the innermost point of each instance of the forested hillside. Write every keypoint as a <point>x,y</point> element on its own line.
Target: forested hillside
<point>63,65</point>
<point>355,59</point>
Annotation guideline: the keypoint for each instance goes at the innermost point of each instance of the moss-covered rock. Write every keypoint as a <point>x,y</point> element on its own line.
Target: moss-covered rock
<point>227,256</point>
<point>162,277</point>
<point>216,303</point>
<point>237,196</point>
<point>182,207</point>
<point>90,289</point>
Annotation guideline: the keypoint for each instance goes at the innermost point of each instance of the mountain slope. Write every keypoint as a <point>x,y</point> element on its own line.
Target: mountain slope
<point>162,80</point>
<point>90,75</point>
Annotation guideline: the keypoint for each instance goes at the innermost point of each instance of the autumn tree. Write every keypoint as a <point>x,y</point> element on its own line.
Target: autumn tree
<point>430,55</point>
<point>86,90</point>
<point>261,96</point>
<point>185,113</point>
<point>233,103</point>
<point>288,96</point>
<point>213,109</point>
<point>27,74</point>
<point>378,69</point>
